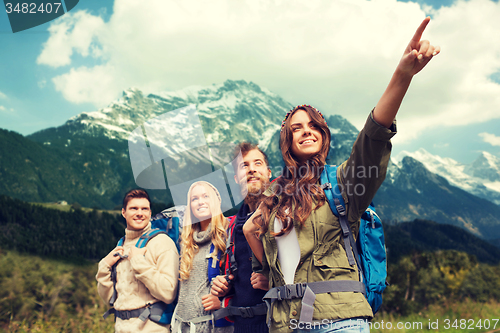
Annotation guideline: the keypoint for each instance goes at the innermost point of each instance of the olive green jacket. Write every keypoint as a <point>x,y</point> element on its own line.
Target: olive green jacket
<point>322,254</point>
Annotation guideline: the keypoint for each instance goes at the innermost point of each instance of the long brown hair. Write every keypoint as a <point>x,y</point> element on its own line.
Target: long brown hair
<point>297,188</point>
<point>218,229</point>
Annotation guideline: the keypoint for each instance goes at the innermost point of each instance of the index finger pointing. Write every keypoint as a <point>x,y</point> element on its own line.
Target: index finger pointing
<point>420,30</point>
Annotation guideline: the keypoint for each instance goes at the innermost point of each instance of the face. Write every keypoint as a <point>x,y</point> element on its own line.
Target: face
<point>307,139</point>
<point>253,174</point>
<point>200,205</point>
<point>137,213</point>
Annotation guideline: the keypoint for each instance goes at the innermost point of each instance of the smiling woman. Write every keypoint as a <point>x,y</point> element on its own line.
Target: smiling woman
<point>203,241</point>
<point>312,274</point>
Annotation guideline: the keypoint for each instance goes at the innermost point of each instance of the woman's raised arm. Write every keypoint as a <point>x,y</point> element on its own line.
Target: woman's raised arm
<point>416,56</point>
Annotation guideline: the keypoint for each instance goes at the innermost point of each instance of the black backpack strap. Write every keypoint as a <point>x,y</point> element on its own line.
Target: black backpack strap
<point>242,311</point>
<point>143,313</point>
<point>349,242</point>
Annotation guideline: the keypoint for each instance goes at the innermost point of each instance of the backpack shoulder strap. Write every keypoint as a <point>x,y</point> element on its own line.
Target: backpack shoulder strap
<point>330,186</point>
<point>141,242</point>
<point>333,194</point>
<point>230,266</point>
<point>146,237</point>
<point>112,300</point>
<point>121,241</point>
<point>229,239</point>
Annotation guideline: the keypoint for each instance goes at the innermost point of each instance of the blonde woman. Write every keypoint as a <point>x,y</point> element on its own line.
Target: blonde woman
<point>203,240</point>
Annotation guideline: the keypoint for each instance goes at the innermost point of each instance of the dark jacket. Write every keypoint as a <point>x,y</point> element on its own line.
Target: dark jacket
<point>244,293</point>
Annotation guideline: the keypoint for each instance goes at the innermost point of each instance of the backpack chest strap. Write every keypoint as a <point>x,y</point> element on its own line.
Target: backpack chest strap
<point>242,311</point>
<point>308,291</point>
<point>143,313</point>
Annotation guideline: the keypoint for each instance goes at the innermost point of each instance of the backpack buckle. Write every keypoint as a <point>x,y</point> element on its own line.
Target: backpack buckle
<point>340,209</point>
<point>247,312</point>
<point>124,315</point>
<point>301,289</point>
<point>327,186</point>
<point>278,296</point>
<point>117,254</point>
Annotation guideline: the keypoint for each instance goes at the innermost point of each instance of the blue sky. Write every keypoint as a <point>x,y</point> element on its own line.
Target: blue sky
<point>337,56</point>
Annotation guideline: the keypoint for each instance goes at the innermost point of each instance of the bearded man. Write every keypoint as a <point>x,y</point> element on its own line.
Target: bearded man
<point>253,175</point>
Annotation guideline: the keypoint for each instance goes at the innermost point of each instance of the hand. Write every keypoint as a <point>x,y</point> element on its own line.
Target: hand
<point>418,53</point>
<point>111,258</point>
<point>259,281</point>
<point>135,251</point>
<point>251,228</point>
<point>210,302</point>
<point>220,286</point>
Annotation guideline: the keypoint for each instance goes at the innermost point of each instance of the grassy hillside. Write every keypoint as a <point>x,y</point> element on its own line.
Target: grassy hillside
<point>45,295</point>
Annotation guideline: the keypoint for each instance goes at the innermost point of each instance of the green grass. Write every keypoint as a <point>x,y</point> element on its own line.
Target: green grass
<point>89,321</point>
<point>464,316</point>
<point>46,295</point>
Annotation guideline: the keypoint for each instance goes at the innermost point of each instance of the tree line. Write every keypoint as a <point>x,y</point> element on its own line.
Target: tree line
<point>76,234</point>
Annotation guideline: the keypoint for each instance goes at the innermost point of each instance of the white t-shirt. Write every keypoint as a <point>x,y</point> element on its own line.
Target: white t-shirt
<point>288,251</point>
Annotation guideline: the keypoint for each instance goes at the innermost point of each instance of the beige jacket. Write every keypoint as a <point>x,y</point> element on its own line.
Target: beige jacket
<point>141,280</point>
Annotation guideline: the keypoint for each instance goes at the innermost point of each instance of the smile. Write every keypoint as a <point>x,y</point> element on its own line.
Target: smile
<point>307,142</point>
<point>253,179</point>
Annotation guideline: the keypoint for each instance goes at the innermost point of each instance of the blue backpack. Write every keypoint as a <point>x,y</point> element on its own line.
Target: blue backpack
<point>167,222</point>
<point>369,249</point>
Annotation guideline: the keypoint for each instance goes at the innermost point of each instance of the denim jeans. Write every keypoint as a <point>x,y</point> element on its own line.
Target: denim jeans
<point>353,325</point>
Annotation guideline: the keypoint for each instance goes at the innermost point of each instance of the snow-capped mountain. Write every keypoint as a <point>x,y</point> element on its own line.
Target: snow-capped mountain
<point>234,108</point>
<point>414,192</point>
<point>481,178</point>
<point>230,112</point>
<point>95,145</point>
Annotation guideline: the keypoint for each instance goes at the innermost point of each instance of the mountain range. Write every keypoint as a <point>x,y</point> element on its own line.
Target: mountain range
<point>87,160</point>
<point>481,177</point>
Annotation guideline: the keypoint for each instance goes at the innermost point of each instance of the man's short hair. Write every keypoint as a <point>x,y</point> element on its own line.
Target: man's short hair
<point>136,193</point>
<point>245,147</point>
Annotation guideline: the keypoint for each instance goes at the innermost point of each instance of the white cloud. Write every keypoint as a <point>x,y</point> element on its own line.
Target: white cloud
<point>4,109</point>
<point>492,139</point>
<point>2,95</point>
<point>94,84</point>
<point>73,32</point>
<point>338,56</point>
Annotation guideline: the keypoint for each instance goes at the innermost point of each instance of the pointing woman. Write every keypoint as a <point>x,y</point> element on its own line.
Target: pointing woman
<point>295,235</point>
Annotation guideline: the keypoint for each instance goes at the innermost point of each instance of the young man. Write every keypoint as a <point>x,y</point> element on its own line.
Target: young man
<point>252,173</point>
<point>144,276</point>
